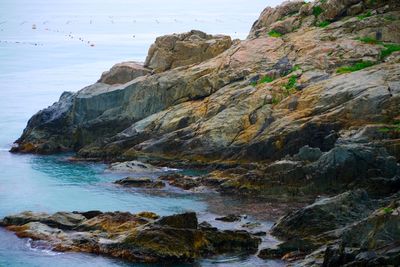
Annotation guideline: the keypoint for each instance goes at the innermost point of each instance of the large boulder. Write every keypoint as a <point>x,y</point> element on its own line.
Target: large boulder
<point>123,72</point>
<point>325,215</point>
<point>176,50</point>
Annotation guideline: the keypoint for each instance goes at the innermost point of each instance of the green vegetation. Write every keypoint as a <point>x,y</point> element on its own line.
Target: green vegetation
<point>275,34</point>
<point>372,2</point>
<point>388,210</point>
<point>293,69</point>
<point>322,1</point>
<point>265,79</point>
<point>389,49</point>
<point>369,40</point>
<point>317,10</point>
<point>323,24</point>
<point>365,15</point>
<point>275,100</point>
<point>395,128</point>
<point>291,83</point>
<point>357,66</point>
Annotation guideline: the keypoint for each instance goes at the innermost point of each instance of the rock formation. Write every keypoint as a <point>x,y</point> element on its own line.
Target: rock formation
<point>137,237</point>
<point>307,105</point>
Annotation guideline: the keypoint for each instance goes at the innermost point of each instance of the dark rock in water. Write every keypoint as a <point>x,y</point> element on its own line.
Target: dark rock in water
<point>230,218</point>
<point>285,248</point>
<point>140,182</point>
<point>89,214</point>
<point>181,181</point>
<point>138,238</point>
<point>186,220</point>
<point>206,225</point>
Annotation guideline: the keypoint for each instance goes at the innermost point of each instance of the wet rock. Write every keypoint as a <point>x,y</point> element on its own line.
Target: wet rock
<point>186,220</point>
<point>140,182</point>
<point>138,238</point>
<point>229,218</point>
<point>123,72</point>
<point>132,166</point>
<point>182,181</point>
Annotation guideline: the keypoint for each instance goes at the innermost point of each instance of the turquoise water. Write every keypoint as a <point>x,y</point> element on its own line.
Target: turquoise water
<point>37,65</point>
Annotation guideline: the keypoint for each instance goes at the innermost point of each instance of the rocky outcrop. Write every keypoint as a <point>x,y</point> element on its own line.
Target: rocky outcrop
<point>346,230</point>
<point>261,99</point>
<point>136,237</point>
<point>177,50</point>
<point>123,72</point>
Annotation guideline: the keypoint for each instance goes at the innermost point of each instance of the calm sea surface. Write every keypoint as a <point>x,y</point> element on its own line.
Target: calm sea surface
<point>47,47</point>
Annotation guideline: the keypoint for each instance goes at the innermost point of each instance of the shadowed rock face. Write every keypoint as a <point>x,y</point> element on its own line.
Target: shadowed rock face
<point>138,237</point>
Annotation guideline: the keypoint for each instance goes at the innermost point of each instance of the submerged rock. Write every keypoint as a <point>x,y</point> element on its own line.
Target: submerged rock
<point>229,218</point>
<point>139,238</point>
<point>140,182</point>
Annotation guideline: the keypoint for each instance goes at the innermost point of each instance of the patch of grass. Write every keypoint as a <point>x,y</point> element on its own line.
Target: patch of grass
<point>323,1</point>
<point>357,66</point>
<point>275,100</point>
<point>395,128</point>
<point>369,40</point>
<point>389,49</point>
<point>291,83</point>
<point>266,79</point>
<point>372,2</point>
<point>365,15</point>
<point>317,10</point>
<point>293,69</point>
<point>275,34</point>
<point>323,24</point>
<point>388,210</point>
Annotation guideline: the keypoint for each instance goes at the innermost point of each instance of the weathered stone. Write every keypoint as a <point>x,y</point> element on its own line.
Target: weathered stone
<point>172,51</point>
<point>123,72</point>
<point>138,238</point>
<point>324,215</point>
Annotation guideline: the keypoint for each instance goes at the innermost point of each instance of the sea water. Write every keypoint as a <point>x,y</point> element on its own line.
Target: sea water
<point>47,47</point>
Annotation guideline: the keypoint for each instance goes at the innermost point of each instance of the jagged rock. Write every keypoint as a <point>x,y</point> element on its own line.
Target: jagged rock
<point>277,15</point>
<point>307,153</point>
<point>123,72</point>
<point>172,51</point>
<point>325,215</point>
<point>181,181</point>
<point>140,182</point>
<point>138,238</point>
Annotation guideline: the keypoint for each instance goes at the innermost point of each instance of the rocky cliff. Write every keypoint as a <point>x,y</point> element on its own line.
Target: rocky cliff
<point>307,74</point>
<point>308,104</point>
